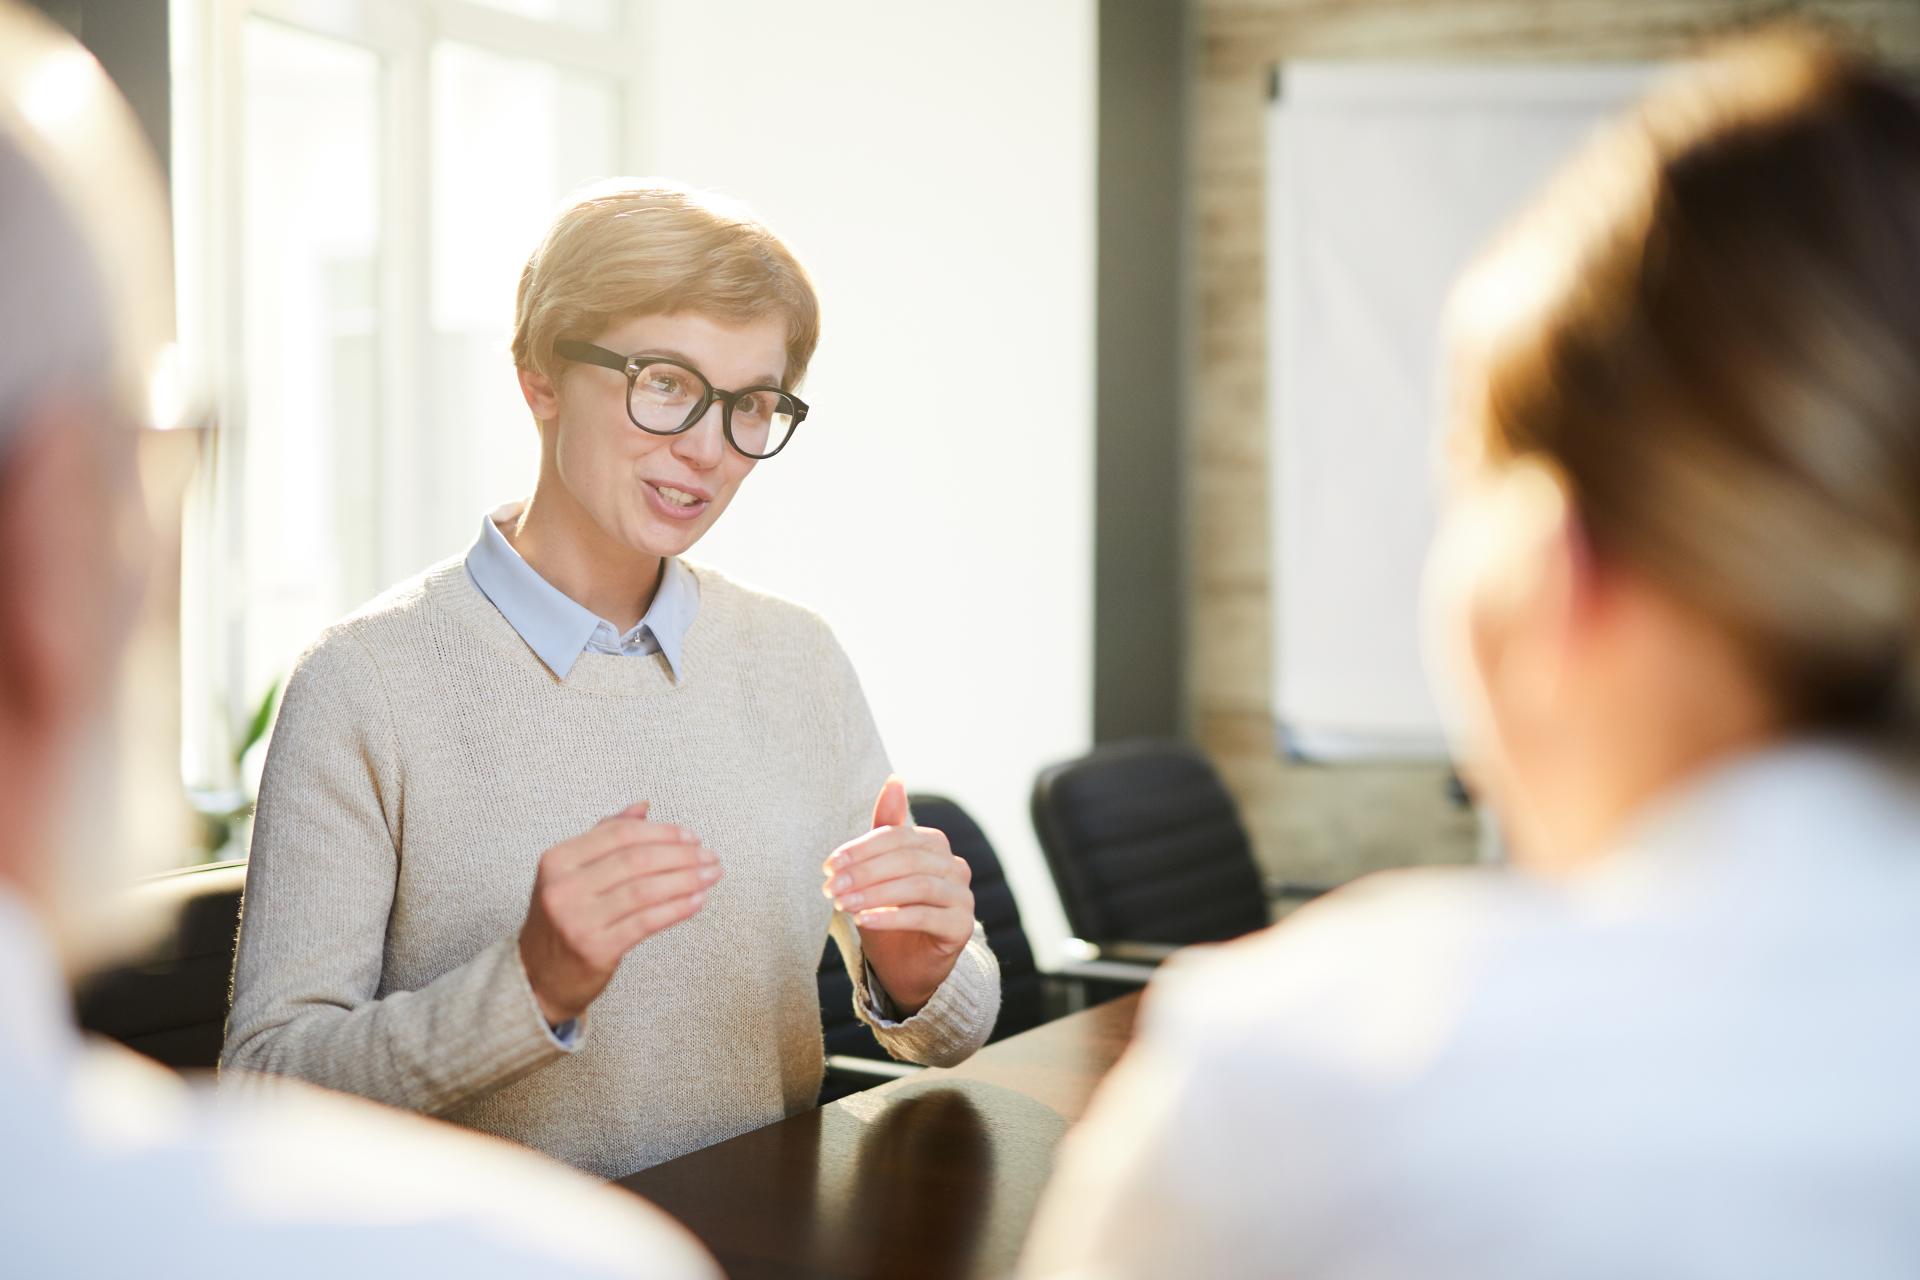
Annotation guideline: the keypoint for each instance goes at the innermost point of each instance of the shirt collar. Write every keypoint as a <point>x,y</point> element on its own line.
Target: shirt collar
<point>670,616</point>
<point>557,627</point>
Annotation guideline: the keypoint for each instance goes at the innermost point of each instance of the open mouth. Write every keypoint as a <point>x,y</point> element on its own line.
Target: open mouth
<point>675,503</point>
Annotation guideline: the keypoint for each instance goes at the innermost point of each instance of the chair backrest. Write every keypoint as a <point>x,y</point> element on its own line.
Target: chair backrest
<point>170,1002</point>
<point>1022,989</point>
<point>1146,845</point>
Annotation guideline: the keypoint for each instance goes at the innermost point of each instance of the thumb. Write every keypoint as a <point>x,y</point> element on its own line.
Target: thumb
<point>890,810</point>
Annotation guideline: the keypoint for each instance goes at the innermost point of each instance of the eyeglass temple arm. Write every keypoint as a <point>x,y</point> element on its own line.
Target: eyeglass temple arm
<point>587,353</point>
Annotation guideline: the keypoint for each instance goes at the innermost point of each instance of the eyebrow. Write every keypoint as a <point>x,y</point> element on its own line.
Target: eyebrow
<point>765,379</point>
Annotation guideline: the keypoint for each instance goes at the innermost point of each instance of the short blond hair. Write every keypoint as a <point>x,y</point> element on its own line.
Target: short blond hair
<point>646,247</point>
<point>1709,329</point>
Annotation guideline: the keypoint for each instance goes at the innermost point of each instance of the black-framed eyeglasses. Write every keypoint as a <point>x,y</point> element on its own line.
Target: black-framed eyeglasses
<point>667,396</point>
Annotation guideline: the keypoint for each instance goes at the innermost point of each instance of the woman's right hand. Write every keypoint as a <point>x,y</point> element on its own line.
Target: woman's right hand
<point>599,895</point>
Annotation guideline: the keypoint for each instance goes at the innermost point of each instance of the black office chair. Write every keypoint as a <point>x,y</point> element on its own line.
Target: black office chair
<point>1028,997</point>
<point>170,1002</point>
<point>1146,847</point>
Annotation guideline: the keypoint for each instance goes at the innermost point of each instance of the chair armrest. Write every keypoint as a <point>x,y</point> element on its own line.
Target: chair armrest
<point>1076,950</point>
<point>869,1070</point>
<point>1129,963</point>
<point>1146,953</point>
<point>1136,975</point>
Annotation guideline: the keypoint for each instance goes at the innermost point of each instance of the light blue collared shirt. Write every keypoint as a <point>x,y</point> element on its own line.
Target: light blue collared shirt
<point>559,628</point>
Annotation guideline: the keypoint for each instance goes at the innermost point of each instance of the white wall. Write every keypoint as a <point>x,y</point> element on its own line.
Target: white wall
<point>933,165</point>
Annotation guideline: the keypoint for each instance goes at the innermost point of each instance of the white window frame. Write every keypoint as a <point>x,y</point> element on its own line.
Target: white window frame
<point>209,191</point>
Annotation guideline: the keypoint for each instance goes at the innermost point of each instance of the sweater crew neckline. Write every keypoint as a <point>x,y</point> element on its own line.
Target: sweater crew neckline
<point>452,589</point>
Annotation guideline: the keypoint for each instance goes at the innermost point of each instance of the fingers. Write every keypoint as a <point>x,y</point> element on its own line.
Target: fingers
<point>603,926</point>
<point>596,879</point>
<point>906,891</point>
<point>637,861</point>
<point>636,812</point>
<point>884,840</point>
<point>598,895</point>
<point>919,860</point>
<point>615,833</point>
<point>646,892</point>
<point>629,932</point>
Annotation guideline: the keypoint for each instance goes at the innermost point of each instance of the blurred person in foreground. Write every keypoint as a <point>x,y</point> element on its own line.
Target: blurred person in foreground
<point>110,1165</point>
<point>1677,587</point>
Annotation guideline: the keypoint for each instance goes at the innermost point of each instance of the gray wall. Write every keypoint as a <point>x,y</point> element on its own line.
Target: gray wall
<point>1139,349</point>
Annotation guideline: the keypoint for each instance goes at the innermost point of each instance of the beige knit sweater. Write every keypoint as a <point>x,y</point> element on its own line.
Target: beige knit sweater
<point>423,760</point>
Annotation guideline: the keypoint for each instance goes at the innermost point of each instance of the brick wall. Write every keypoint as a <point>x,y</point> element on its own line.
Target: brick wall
<point>1334,822</point>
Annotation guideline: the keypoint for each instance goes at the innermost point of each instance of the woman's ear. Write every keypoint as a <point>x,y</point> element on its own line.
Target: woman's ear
<point>1532,591</point>
<point>1584,577</point>
<point>542,395</point>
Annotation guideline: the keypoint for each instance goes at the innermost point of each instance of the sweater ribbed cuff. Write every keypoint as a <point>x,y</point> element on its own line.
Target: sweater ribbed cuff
<point>956,1020</point>
<point>506,1034</point>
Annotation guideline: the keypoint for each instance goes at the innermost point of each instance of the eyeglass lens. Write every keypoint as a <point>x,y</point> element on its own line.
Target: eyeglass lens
<point>666,398</point>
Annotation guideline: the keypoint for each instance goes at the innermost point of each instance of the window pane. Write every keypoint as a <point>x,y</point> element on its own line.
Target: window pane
<point>308,520</point>
<point>510,137</point>
<point>600,15</point>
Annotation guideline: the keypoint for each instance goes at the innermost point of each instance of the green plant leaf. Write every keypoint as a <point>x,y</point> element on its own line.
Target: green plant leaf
<point>262,721</point>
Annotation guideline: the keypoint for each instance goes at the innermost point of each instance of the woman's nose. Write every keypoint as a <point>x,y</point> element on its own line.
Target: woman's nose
<point>704,443</point>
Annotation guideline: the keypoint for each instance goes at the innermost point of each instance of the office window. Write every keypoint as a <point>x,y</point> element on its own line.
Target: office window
<point>873,150</point>
<point>358,185</point>
<point>304,512</point>
<point>510,136</point>
<point>598,15</point>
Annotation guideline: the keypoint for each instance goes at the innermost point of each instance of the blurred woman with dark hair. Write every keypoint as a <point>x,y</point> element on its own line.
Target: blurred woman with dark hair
<point>1677,594</point>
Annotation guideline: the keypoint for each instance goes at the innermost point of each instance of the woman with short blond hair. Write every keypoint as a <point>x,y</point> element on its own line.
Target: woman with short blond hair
<point>486,877</point>
<point>1678,590</point>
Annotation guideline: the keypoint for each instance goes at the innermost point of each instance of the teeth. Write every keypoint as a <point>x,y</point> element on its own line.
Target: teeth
<point>679,497</point>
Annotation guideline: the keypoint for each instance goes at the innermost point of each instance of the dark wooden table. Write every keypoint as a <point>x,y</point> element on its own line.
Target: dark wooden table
<point>930,1177</point>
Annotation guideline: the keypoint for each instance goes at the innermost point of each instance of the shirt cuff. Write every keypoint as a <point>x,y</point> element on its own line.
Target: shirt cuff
<point>565,1036</point>
<point>880,1005</point>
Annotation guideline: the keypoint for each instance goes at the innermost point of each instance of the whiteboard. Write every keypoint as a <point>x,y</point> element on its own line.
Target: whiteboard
<point>1383,180</point>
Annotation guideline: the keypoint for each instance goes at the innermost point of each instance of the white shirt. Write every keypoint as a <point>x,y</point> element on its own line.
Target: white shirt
<point>1699,1059</point>
<point>111,1166</point>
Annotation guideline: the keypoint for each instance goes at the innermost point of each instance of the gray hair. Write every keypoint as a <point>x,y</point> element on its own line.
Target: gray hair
<point>54,324</point>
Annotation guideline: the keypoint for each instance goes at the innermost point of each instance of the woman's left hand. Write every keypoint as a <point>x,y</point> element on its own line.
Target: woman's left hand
<point>910,896</point>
